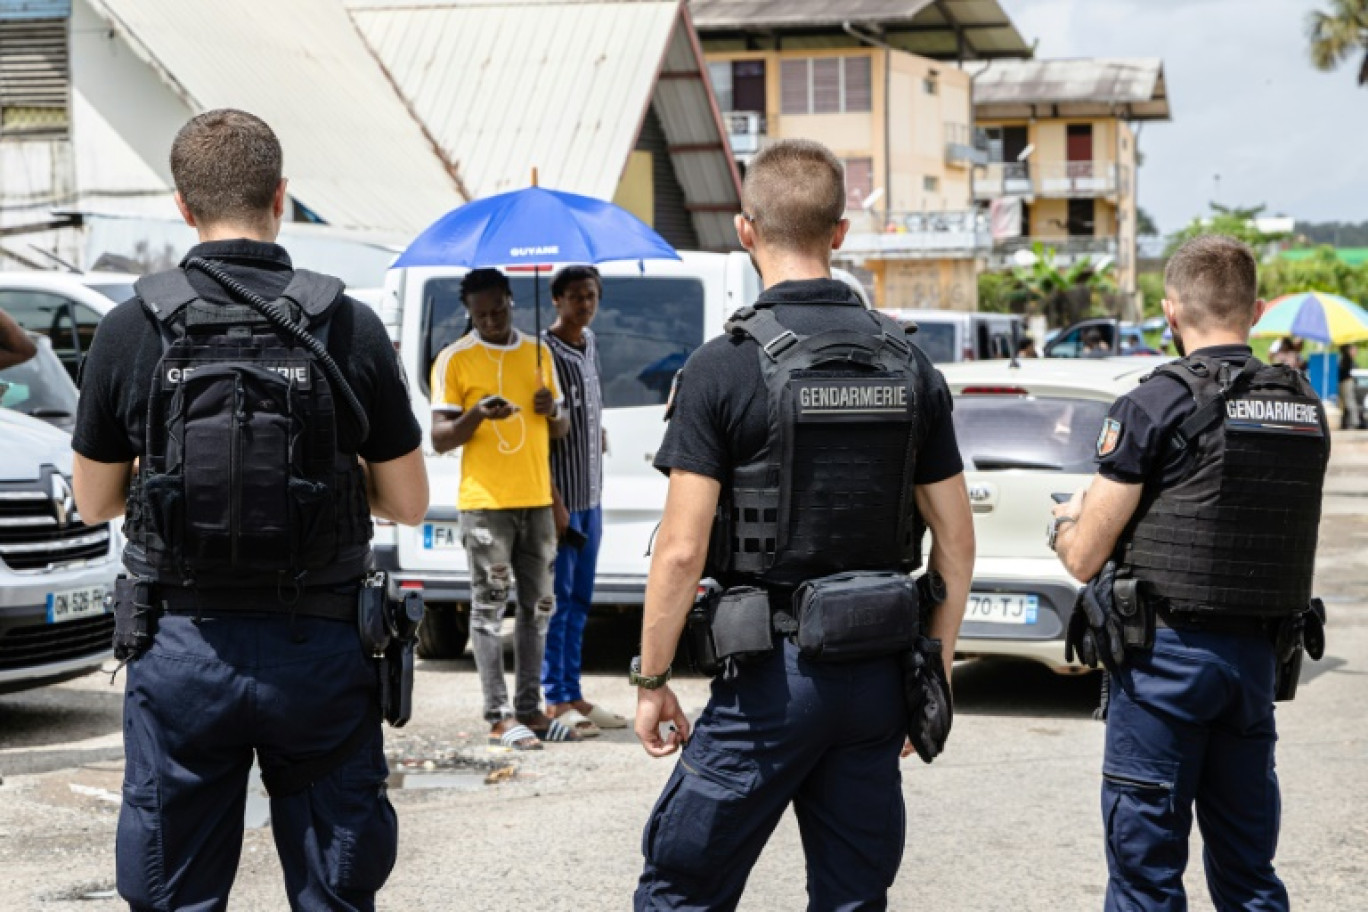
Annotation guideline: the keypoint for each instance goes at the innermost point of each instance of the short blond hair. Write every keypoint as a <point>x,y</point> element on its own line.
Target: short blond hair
<point>794,194</point>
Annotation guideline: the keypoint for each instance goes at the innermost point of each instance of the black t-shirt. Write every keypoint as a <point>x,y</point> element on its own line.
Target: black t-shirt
<point>117,374</point>
<point>720,409</point>
<point>1133,445</point>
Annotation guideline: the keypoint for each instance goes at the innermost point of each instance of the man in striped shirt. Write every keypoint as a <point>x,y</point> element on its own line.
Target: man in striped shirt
<point>577,484</point>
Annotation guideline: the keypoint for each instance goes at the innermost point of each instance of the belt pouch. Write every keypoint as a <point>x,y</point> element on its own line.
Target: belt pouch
<point>1137,618</point>
<point>741,625</point>
<point>853,616</point>
<point>134,618</point>
<point>372,614</point>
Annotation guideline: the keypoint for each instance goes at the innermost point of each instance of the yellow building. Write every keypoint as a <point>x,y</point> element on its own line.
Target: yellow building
<point>1062,140</point>
<point>881,91</point>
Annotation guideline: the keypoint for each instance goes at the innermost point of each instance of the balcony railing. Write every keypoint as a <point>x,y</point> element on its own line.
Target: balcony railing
<point>1051,179</point>
<point>747,131</point>
<point>1067,250</point>
<point>965,145</point>
<point>917,235</point>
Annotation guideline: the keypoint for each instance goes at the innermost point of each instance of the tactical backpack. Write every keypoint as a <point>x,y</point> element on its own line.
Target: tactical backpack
<point>241,481</point>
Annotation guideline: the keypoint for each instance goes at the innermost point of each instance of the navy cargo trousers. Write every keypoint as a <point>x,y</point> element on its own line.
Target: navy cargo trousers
<point>1193,722</point>
<point>825,737</point>
<point>198,705</point>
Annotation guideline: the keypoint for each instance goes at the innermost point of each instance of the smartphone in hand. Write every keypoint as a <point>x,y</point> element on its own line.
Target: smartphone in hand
<point>496,402</point>
<point>1061,498</point>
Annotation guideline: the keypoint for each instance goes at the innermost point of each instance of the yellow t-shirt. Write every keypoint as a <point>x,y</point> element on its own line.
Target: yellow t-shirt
<point>506,464</point>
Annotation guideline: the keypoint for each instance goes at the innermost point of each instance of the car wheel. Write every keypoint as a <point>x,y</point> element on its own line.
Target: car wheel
<point>444,631</point>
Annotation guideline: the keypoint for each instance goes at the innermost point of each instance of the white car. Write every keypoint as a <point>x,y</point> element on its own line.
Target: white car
<point>1027,431</point>
<point>64,306</point>
<point>653,314</point>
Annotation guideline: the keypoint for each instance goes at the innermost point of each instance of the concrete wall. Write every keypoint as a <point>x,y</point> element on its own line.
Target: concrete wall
<point>937,284</point>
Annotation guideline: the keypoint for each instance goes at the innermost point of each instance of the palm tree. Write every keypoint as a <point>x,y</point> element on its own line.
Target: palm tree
<point>1339,34</point>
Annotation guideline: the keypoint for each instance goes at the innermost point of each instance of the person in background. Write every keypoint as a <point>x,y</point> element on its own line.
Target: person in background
<point>495,398</point>
<point>1350,414</point>
<point>15,345</point>
<point>1094,346</point>
<point>576,490</point>
<point>1287,350</point>
<point>1026,348</point>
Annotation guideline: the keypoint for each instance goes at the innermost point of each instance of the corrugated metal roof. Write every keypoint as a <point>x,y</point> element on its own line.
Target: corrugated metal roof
<point>353,153</point>
<point>1133,89</point>
<point>559,85</point>
<point>947,29</point>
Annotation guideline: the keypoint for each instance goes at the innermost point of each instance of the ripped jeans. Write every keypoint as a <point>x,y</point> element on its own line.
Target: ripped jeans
<point>505,546</point>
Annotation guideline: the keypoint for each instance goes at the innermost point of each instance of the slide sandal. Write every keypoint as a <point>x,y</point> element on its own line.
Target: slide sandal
<point>518,738</point>
<point>606,719</point>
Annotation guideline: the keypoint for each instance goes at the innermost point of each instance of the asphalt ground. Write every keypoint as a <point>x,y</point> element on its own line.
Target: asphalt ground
<point>1008,818</point>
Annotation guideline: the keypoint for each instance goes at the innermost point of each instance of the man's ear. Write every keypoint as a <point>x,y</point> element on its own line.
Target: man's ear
<point>278,201</point>
<point>838,238</point>
<point>1170,313</point>
<point>745,232</point>
<point>185,211</point>
<point>1260,308</point>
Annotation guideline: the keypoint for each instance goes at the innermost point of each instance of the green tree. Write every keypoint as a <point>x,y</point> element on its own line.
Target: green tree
<point>1151,286</point>
<point>1063,295</point>
<point>1339,34</point>
<point>1144,224</point>
<point>1231,221</point>
<point>1322,272</point>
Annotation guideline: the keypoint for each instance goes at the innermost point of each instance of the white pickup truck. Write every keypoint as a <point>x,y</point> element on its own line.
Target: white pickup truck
<point>653,314</point>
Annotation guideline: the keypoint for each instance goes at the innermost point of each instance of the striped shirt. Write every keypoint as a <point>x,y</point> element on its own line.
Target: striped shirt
<point>577,458</point>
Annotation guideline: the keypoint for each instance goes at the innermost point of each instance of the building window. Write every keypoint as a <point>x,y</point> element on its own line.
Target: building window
<point>929,85</point>
<point>1082,218</point>
<point>931,183</point>
<point>825,85</point>
<point>859,179</point>
<point>35,74</point>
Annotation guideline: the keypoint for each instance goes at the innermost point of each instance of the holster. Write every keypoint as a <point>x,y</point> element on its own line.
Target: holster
<point>1136,613</point>
<point>389,634</point>
<point>698,630</point>
<point>135,617</point>
<point>852,616</point>
<point>1300,635</point>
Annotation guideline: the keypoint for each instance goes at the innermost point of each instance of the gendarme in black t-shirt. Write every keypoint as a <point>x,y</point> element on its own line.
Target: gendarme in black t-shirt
<point>117,375</point>
<point>720,417</point>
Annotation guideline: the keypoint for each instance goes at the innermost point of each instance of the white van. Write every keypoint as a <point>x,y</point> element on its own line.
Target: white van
<point>653,314</point>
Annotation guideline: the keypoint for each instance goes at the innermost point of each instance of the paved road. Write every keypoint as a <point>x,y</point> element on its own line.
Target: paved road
<point>1007,819</point>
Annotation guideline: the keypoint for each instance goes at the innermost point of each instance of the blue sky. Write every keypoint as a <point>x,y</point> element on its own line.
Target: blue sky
<point>1247,104</point>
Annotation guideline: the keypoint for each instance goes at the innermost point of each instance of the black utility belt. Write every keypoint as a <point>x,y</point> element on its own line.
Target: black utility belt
<point>842,618</point>
<point>1202,623</point>
<point>336,603</point>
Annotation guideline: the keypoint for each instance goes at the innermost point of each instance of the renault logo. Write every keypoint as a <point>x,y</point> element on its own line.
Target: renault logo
<point>63,501</point>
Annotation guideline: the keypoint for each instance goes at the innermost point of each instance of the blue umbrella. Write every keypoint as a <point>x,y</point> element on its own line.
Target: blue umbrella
<point>535,227</point>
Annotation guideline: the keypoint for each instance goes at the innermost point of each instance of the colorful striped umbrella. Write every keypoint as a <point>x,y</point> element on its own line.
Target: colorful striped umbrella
<point>1325,318</point>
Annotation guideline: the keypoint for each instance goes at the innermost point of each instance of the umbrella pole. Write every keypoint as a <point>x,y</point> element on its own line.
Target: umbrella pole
<point>536,310</point>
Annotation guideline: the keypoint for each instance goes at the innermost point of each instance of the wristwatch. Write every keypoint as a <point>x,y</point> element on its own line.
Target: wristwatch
<point>1052,533</point>
<point>647,682</point>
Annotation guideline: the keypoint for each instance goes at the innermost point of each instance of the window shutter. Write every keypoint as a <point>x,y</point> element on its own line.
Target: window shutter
<point>793,87</point>
<point>35,78</point>
<point>858,94</point>
<point>826,85</point>
<point>859,177</point>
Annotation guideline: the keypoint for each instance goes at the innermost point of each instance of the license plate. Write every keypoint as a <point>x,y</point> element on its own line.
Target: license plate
<point>441,536</point>
<point>71,604</point>
<point>1002,608</point>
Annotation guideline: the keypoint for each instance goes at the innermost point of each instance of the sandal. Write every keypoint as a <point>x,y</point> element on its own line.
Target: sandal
<point>580,723</point>
<point>518,737</point>
<point>604,718</point>
<point>557,731</point>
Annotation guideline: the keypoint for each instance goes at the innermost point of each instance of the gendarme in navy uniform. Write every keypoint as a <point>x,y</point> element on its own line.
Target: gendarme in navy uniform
<point>1198,537</point>
<point>265,437</point>
<point>827,441</point>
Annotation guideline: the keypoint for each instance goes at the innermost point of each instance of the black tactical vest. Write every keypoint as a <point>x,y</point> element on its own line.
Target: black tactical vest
<point>1237,534</point>
<point>241,483</point>
<point>831,490</point>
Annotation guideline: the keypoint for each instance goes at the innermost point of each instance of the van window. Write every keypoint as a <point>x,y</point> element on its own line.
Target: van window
<point>936,340</point>
<point>1010,432</point>
<point>646,326</point>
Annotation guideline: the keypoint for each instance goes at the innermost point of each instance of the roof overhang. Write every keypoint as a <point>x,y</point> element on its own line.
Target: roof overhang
<point>1127,89</point>
<point>939,29</point>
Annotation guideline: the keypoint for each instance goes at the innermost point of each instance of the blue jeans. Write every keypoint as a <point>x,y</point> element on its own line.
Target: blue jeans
<point>197,706</point>
<point>1193,722</point>
<point>574,594</point>
<point>824,737</point>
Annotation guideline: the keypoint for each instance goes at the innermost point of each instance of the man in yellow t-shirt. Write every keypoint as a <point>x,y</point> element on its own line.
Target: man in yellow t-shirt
<point>489,398</point>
